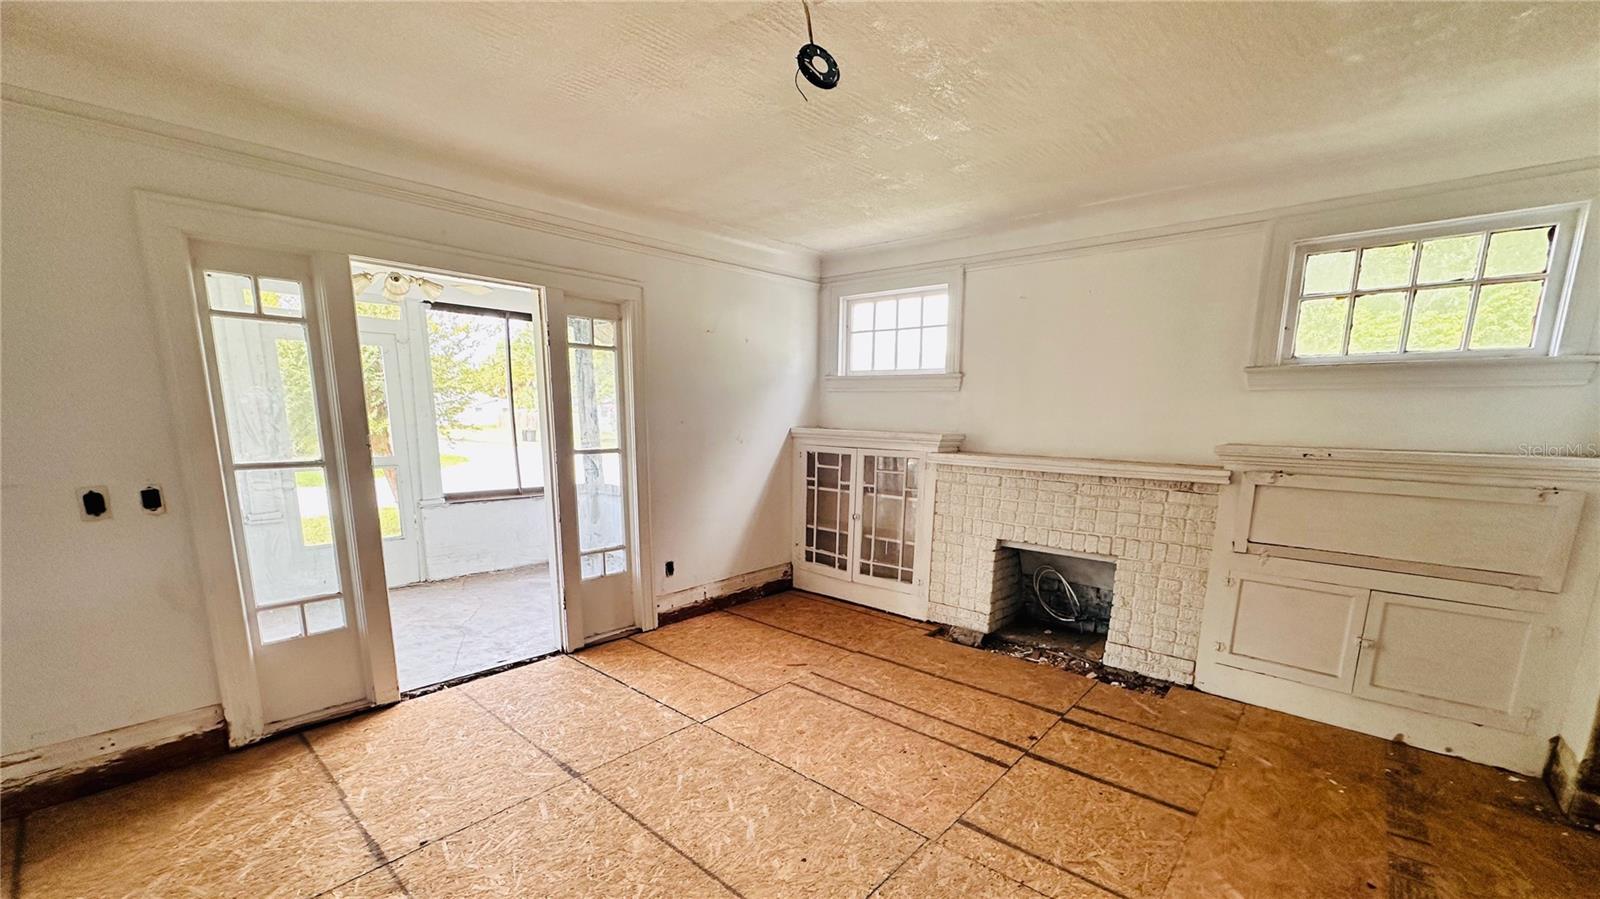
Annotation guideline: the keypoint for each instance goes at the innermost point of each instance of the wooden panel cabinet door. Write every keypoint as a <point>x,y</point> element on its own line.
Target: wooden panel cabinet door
<point>1446,658</point>
<point>1297,630</point>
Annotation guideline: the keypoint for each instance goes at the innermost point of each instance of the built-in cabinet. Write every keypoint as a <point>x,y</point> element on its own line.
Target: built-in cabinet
<point>1437,597</point>
<point>863,512</point>
<point>1453,659</point>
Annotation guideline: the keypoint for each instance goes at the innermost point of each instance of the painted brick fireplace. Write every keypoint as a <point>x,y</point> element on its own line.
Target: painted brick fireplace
<point>1155,522</point>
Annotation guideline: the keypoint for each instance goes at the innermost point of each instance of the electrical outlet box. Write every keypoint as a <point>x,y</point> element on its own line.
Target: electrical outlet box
<point>151,500</point>
<point>94,503</point>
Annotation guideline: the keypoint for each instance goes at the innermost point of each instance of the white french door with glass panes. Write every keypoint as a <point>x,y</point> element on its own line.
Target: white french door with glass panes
<point>589,375</point>
<point>267,355</point>
<point>861,526</point>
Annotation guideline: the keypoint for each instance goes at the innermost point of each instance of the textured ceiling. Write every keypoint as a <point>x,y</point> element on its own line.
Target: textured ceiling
<point>949,116</point>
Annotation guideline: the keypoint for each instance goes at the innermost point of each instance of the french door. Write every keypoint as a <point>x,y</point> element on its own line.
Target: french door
<point>589,372</point>
<point>270,344</point>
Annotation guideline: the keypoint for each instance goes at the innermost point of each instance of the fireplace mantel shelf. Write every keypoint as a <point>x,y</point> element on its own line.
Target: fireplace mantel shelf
<point>1111,468</point>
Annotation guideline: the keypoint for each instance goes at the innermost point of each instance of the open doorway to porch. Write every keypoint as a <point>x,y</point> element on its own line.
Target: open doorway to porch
<point>451,368</point>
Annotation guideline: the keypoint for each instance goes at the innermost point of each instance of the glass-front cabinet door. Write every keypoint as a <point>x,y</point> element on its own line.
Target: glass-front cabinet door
<point>861,525</point>
<point>886,539</point>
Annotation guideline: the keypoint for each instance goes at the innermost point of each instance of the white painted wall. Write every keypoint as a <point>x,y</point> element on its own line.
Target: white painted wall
<point>103,621</point>
<point>466,538</point>
<point>1136,349</point>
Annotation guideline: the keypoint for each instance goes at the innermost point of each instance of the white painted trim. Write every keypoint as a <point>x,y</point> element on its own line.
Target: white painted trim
<point>84,753</point>
<point>685,242</point>
<point>905,441</point>
<point>166,224</point>
<point>831,343</point>
<point>1409,463</point>
<point>948,381</point>
<point>1567,322</point>
<point>1110,468</point>
<point>679,599</point>
<point>1515,371</point>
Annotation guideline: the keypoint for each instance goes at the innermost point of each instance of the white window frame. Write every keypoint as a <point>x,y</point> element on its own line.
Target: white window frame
<point>1565,349</point>
<point>835,345</point>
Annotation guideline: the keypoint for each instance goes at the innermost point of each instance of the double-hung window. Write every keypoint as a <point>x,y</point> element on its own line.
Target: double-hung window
<point>1489,286</point>
<point>483,370</point>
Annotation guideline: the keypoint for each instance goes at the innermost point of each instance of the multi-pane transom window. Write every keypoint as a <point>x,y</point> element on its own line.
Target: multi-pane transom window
<point>1438,291</point>
<point>901,332</point>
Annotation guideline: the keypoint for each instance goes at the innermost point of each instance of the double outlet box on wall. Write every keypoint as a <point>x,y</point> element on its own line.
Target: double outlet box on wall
<point>94,503</point>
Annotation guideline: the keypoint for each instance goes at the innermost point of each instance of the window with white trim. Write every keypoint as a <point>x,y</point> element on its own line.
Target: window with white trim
<point>896,332</point>
<point>1469,288</point>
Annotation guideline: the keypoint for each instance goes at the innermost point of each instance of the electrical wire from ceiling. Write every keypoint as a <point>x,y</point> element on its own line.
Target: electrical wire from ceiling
<point>815,63</point>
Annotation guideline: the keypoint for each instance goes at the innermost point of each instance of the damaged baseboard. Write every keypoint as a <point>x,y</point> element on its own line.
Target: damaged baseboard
<point>721,594</point>
<point>1575,784</point>
<point>35,778</point>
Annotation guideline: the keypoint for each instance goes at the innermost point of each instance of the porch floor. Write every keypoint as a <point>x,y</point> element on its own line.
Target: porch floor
<point>449,629</point>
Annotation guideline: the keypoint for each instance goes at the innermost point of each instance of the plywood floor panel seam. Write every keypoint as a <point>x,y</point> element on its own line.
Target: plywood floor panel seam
<point>1116,736</point>
<point>1222,749</point>
<point>1104,781</point>
<point>657,649</point>
<point>378,855</point>
<point>730,680</point>
<point>808,778</point>
<point>580,778</point>
<point>977,755</point>
<point>909,667</point>
<point>1031,854</point>
<point>606,674</point>
<point>975,732</point>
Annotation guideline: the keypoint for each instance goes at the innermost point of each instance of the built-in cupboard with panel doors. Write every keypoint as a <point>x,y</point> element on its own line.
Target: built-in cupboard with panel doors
<point>862,515</point>
<point>1437,597</point>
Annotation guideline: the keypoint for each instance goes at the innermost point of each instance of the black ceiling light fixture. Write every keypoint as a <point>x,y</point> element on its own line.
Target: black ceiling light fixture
<point>814,62</point>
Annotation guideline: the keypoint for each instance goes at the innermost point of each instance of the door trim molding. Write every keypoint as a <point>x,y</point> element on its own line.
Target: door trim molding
<point>165,226</point>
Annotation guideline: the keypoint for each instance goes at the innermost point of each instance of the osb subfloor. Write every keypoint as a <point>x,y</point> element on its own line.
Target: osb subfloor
<point>797,746</point>
<point>449,629</point>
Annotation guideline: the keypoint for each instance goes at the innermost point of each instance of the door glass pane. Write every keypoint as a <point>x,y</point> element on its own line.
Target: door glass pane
<point>283,298</point>
<point>616,561</point>
<point>227,292</point>
<point>279,624</point>
<point>287,534</point>
<point>594,397</point>
<point>324,615</point>
<point>598,477</point>
<point>375,379</point>
<point>470,375</point>
<point>265,371</point>
<point>525,400</point>
<point>386,480</point>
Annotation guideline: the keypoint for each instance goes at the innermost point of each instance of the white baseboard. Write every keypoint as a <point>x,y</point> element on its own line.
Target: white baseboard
<point>79,754</point>
<point>728,586</point>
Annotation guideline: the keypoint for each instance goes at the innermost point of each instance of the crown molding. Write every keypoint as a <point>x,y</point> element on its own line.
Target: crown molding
<point>639,235</point>
<point>1032,242</point>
